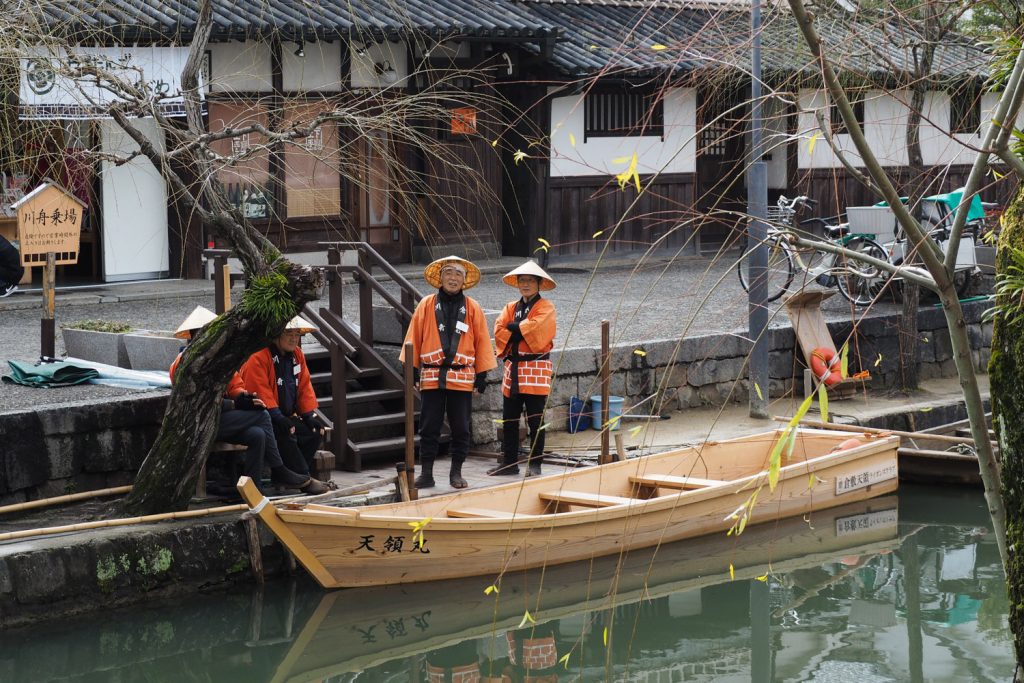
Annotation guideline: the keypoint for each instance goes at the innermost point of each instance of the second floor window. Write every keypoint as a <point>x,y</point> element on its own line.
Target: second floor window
<point>623,113</point>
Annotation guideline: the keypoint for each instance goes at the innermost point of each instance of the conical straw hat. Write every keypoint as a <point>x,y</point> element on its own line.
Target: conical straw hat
<point>529,268</point>
<point>432,273</point>
<point>301,324</point>
<point>199,317</point>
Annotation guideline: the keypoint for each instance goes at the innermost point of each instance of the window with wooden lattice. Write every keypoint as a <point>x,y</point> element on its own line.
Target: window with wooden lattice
<point>965,110</point>
<point>623,113</point>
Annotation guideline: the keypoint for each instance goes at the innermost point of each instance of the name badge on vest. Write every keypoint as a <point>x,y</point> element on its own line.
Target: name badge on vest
<point>297,370</point>
<point>461,326</point>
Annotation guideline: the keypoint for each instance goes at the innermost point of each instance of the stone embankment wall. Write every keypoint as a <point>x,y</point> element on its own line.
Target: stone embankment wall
<point>52,451</point>
<point>711,370</point>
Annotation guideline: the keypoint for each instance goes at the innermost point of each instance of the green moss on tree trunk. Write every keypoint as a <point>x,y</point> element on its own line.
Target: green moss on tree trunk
<point>1006,370</point>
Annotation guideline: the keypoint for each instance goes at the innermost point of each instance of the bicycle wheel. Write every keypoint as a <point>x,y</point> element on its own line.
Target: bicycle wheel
<point>860,282</point>
<point>777,276</point>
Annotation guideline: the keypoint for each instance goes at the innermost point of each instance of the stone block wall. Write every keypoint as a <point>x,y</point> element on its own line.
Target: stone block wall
<point>711,370</point>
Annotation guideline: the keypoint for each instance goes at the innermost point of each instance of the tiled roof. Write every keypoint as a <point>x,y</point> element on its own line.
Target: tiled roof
<point>155,20</point>
<point>621,38</point>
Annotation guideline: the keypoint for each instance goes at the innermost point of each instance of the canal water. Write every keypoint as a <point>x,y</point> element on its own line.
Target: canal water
<point>902,588</point>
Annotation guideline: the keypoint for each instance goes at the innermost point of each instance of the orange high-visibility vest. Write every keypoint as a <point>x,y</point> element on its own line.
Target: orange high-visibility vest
<point>538,330</point>
<point>474,353</point>
<point>260,377</point>
<point>235,384</point>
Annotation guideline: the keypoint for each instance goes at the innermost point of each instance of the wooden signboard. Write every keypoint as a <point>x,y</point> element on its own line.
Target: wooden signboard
<point>49,222</point>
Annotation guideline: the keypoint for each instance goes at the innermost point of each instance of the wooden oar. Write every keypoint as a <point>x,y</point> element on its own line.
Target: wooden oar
<point>68,498</point>
<point>874,430</point>
<point>124,521</point>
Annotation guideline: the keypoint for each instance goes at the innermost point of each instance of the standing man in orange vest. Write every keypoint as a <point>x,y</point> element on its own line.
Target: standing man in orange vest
<point>525,334</point>
<point>452,353</point>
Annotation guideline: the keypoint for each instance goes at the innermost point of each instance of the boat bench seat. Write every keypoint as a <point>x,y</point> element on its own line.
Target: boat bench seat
<point>669,481</point>
<point>479,512</point>
<point>584,499</point>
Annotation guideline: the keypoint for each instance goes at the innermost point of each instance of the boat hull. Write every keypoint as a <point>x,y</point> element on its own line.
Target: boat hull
<point>379,545</point>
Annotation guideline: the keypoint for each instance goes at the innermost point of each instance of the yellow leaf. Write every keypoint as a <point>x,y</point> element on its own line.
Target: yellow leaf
<point>593,47</point>
<point>606,636</point>
<point>620,160</point>
<point>540,248</point>
<point>786,438</point>
<point>639,352</point>
<point>658,47</point>
<point>527,619</point>
<point>544,241</point>
<point>572,139</point>
<point>996,174</point>
<point>491,589</point>
<point>811,143</point>
<point>878,361</point>
<point>844,360</point>
<point>757,390</point>
<point>629,174</point>
<point>810,481</point>
<point>823,401</point>
<point>924,339</point>
<point>597,233</point>
<point>495,143</point>
<point>565,659</point>
<point>763,578</point>
<point>635,430</point>
<point>543,426</point>
<point>926,410</point>
<point>732,572</point>
<point>519,156</point>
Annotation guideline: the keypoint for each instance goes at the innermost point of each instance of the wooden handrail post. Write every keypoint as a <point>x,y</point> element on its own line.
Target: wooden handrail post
<point>334,283</point>
<point>410,424</point>
<point>365,300</point>
<point>339,410</point>
<point>48,324</point>
<point>221,284</point>
<point>605,382</point>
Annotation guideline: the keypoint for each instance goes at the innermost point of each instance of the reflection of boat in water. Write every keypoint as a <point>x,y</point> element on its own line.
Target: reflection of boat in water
<point>581,514</point>
<point>354,630</point>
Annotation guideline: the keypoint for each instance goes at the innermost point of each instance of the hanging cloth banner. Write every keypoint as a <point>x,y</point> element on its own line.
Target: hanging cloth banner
<point>82,83</point>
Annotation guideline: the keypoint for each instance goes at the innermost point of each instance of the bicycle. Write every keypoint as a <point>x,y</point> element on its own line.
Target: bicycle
<point>858,282</point>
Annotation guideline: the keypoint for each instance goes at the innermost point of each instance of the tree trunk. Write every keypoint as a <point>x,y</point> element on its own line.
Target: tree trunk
<point>1006,369</point>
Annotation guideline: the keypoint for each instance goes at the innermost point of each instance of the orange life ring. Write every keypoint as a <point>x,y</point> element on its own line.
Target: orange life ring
<point>825,364</point>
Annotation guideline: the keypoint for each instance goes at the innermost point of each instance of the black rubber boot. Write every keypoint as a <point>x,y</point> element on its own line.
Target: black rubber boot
<point>504,470</point>
<point>534,470</point>
<point>426,478</point>
<point>455,476</point>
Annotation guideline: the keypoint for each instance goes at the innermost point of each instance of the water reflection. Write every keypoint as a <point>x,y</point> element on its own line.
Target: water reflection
<point>893,589</point>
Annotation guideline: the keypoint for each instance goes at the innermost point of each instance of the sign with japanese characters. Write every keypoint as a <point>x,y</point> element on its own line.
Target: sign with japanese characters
<point>82,82</point>
<point>868,521</point>
<point>859,480</point>
<point>49,220</point>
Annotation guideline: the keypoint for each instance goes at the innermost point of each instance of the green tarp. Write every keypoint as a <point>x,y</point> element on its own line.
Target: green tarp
<point>60,374</point>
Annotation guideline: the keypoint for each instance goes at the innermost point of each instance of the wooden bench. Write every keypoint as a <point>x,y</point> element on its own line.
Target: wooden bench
<point>669,481</point>
<point>218,447</point>
<point>563,499</point>
<point>479,513</point>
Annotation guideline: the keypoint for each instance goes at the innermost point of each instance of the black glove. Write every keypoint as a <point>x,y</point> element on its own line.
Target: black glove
<point>314,422</point>
<point>513,328</point>
<point>480,383</point>
<point>244,402</point>
<point>281,422</point>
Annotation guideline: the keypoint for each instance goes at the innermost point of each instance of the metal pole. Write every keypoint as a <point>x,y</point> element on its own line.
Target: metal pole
<point>757,207</point>
<point>410,427</point>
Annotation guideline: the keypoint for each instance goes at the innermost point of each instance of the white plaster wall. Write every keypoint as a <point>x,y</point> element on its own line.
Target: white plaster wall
<point>319,69</point>
<point>776,144</point>
<point>135,243</point>
<point>364,75</point>
<point>885,123</point>
<point>675,154</point>
<point>240,67</point>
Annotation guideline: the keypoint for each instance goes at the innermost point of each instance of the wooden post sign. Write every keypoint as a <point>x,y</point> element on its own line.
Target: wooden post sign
<point>49,229</point>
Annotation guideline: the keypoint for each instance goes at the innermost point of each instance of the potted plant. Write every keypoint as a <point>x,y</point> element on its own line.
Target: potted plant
<point>96,340</point>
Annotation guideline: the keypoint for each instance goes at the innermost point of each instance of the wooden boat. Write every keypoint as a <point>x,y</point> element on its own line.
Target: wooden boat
<point>356,630</point>
<point>939,460</point>
<point>580,514</point>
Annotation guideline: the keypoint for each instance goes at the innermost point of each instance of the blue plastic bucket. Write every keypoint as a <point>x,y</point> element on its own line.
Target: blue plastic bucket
<point>614,411</point>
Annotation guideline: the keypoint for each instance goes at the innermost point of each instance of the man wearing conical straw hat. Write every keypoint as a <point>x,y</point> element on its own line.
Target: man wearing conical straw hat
<point>280,377</point>
<point>525,334</point>
<point>243,418</point>
<point>451,352</point>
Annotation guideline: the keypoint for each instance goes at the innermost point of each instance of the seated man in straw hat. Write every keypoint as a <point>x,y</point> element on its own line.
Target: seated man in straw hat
<point>525,334</point>
<point>280,377</point>
<point>244,418</point>
<point>452,352</point>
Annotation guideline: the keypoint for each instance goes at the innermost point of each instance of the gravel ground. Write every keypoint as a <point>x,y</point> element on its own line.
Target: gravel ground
<point>656,300</point>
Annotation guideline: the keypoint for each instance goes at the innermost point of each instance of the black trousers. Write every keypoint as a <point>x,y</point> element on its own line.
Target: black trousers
<point>10,274</point>
<point>511,410</point>
<point>252,429</point>
<point>434,405</point>
<point>298,449</point>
